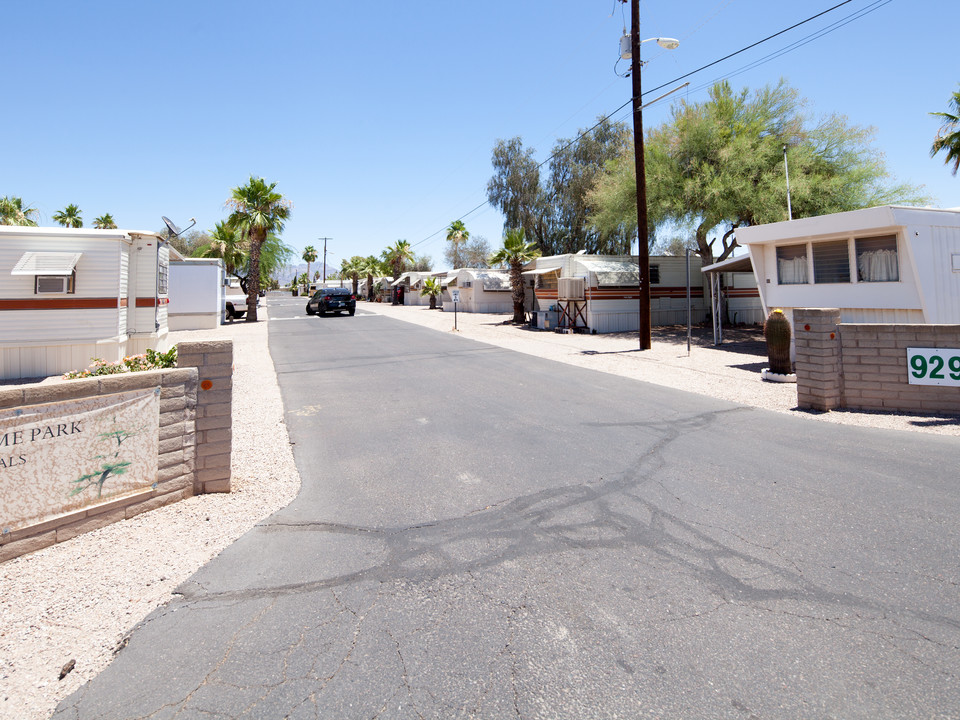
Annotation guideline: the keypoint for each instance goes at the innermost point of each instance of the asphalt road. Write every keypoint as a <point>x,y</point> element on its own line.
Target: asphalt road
<point>486,534</point>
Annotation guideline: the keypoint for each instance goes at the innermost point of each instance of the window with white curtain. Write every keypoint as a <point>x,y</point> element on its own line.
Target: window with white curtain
<point>877,259</point>
<point>792,265</point>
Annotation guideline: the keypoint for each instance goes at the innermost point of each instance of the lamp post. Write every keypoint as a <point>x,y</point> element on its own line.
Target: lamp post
<point>643,242</point>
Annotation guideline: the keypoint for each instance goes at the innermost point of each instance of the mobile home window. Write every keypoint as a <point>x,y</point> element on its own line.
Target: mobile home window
<point>877,259</point>
<point>792,265</point>
<point>48,284</point>
<point>831,262</point>
<point>163,280</point>
<point>654,274</point>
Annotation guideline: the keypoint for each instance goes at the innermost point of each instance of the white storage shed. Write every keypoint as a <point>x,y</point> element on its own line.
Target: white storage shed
<point>196,293</point>
<point>70,295</point>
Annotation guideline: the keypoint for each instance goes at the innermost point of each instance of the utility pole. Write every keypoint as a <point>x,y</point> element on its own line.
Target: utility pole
<point>323,280</point>
<point>643,242</point>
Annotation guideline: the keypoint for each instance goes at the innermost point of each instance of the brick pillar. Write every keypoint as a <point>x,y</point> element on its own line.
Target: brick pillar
<point>818,367</point>
<point>214,418</point>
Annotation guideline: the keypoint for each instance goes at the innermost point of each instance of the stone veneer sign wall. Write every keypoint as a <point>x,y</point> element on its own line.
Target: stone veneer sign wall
<point>80,454</point>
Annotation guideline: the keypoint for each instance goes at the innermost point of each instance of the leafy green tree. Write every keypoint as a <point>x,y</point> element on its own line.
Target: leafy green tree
<point>515,253</point>
<point>948,137</point>
<point>476,252</point>
<point>14,212</point>
<point>431,289</point>
<point>257,210</point>
<point>105,222</point>
<point>515,188</point>
<point>372,266</point>
<point>421,263</point>
<point>457,236</point>
<point>69,217</point>
<point>309,256</point>
<point>274,254</point>
<point>720,164</point>
<point>574,167</point>
<point>398,254</point>
<point>189,243</point>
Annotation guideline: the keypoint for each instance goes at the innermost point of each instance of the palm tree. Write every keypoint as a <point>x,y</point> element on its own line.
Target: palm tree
<point>257,210</point>
<point>397,254</point>
<point>226,245</point>
<point>352,269</point>
<point>370,266</point>
<point>516,252</point>
<point>69,217</point>
<point>948,136</point>
<point>431,288</point>
<point>457,235</point>
<point>105,222</point>
<point>310,255</point>
<point>13,212</point>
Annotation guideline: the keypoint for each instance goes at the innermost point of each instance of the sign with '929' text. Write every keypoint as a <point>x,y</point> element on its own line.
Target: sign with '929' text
<point>933,366</point>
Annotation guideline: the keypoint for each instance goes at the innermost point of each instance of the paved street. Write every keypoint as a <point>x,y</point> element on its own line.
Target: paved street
<point>487,534</point>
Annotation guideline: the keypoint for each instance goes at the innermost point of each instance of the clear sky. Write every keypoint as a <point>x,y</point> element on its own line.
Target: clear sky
<point>377,119</point>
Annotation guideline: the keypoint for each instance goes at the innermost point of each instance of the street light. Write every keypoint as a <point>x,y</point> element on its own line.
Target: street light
<point>643,247</point>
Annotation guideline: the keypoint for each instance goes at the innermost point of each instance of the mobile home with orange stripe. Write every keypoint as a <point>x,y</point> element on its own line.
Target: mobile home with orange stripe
<point>601,294</point>
<point>70,295</point>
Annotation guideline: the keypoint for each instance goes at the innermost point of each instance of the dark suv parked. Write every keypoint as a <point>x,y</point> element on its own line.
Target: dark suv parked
<point>334,300</point>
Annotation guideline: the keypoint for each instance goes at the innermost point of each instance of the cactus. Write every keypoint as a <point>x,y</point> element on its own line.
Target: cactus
<point>777,333</point>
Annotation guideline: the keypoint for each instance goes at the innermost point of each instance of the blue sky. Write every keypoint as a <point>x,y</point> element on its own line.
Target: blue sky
<point>377,119</point>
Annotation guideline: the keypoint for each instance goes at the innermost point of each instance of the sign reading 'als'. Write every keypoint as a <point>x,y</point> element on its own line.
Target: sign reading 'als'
<point>60,457</point>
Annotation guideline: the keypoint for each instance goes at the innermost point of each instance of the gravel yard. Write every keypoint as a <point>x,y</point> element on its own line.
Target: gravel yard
<point>75,601</point>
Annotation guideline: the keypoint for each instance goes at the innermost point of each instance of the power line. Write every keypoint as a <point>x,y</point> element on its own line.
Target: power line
<point>810,38</point>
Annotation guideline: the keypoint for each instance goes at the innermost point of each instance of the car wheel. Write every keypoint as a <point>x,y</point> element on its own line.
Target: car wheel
<point>238,314</point>
<point>309,311</point>
<point>321,311</point>
<point>229,311</point>
<point>352,312</point>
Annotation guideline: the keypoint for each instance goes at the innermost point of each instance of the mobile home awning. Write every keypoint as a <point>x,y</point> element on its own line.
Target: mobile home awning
<point>617,278</point>
<point>447,280</point>
<point>46,263</point>
<point>540,271</point>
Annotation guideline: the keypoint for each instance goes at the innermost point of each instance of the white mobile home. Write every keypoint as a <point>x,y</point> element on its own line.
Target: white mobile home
<point>411,283</point>
<point>481,291</point>
<point>67,296</point>
<point>878,265</point>
<point>197,297</point>
<point>601,293</point>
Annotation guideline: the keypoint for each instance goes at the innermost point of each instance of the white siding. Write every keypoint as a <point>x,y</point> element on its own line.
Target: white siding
<point>944,284</point>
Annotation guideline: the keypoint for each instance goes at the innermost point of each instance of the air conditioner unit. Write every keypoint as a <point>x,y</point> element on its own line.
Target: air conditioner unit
<point>571,289</point>
<point>52,284</point>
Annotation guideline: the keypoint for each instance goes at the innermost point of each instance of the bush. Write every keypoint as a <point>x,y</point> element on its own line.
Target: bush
<point>150,360</point>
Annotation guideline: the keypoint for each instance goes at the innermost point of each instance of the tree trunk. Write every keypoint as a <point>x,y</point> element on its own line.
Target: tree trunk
<point>253,276</point>
<point>516,280</point>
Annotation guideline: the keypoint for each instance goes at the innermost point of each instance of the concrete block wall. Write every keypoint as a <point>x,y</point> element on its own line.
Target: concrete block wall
<point>195,441</point>
<point>214,423</point>
<point>875,371</point>
<point>863,366</point>
<point>817,358</point>
<point>175,464</point>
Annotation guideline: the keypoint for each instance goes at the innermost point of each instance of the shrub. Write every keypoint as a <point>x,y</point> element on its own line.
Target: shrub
<point>150,360</point>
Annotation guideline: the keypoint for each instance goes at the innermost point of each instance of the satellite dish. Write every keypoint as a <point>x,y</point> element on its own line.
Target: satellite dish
<point>171,226</point>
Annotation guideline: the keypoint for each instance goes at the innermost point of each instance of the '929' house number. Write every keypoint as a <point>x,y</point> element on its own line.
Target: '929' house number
<point>933,366</point>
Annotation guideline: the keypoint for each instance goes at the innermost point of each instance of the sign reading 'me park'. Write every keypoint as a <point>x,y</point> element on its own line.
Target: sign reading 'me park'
<point>61,457</point>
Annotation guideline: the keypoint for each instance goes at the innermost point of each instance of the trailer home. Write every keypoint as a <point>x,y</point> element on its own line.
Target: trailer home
<point>70,295</point>
<point>600,293</point>
<point>481,291</point>
<point>878,265</point>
